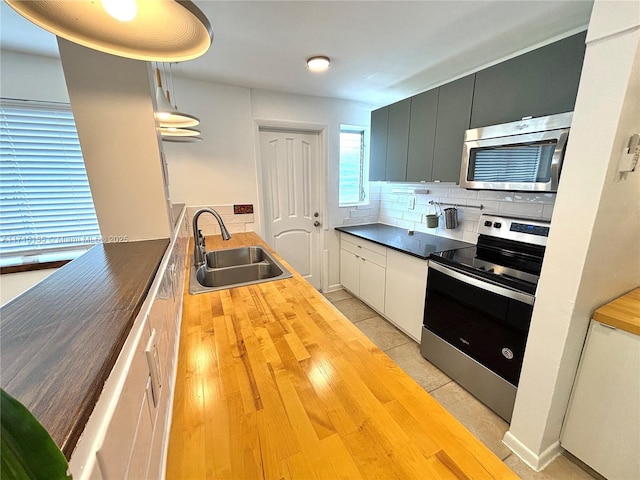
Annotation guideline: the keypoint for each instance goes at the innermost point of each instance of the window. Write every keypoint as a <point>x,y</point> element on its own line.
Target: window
<point>46,208</point>
<point>353,187</point>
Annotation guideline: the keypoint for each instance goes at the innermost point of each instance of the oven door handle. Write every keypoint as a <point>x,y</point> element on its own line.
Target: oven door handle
<point>476,282</point>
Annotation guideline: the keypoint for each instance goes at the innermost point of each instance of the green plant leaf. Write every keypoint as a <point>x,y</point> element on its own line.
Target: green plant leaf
<point>27,450</point>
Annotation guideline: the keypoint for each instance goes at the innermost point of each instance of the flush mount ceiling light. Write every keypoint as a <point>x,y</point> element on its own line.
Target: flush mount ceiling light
<point>150,30</point>
<point>168,115</point>
<point>318,63</point>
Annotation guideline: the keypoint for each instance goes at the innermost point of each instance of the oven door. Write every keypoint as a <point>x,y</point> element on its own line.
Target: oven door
<point>485,321</point>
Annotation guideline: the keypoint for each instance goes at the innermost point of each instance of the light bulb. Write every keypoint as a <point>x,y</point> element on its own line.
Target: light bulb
<point>123,10</point>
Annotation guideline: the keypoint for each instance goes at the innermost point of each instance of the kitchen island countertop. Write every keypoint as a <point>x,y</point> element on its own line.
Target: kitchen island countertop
<point>274,382</point>
<point>418,244</point>
<point>622,313</point>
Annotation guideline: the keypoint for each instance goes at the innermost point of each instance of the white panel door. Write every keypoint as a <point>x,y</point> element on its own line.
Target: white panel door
<point>291,175</point>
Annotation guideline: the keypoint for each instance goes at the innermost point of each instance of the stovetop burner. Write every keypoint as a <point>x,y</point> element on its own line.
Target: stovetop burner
<point>509,252</point>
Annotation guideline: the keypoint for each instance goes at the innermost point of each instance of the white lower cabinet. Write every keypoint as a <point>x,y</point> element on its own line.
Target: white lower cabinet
<point>363,270</point>
<point>126,436</point>
<point>602,424</point>
<point>391,282</point>
<point>405,292</point>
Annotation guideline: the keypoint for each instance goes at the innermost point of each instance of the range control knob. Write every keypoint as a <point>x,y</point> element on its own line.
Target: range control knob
<point>487,223</point>
<point>497,224</point>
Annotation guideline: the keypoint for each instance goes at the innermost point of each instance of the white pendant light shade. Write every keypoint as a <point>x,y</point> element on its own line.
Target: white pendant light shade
<point>150,30</point>
<point>179,132</point>
<point>166,138</point>
<point>168,116</point>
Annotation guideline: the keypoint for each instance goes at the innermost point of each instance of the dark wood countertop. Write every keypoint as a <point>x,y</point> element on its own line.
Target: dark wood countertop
<point>61,338</point>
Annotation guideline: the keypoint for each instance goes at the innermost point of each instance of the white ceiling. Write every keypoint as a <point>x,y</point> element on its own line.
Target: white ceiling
<point>381,51</point>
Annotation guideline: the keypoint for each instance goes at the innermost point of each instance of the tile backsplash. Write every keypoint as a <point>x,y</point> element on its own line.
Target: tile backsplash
<point>398,204</point>
<point>235,222</point>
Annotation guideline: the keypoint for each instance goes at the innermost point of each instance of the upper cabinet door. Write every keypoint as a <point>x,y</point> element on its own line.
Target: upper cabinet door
<point>378,149</point>
<point>398,140</point>
<point>454,115</point>
<point>422,133</point>
<point>541,82</point>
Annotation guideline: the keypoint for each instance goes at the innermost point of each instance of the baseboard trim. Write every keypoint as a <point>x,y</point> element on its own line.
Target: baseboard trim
<point>533,460</point>
<point>333,288</point>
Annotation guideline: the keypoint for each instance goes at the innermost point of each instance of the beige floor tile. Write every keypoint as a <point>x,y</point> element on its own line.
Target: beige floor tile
<point>382,333</point>
<point>487,426</point>
<point>408,358</point>
<point>355,310</point>
<point>337,295</point>
<point>560,469</point>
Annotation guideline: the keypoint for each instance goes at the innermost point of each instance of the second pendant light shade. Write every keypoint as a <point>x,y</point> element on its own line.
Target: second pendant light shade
<point>175,126</point>
<point>167,114</point>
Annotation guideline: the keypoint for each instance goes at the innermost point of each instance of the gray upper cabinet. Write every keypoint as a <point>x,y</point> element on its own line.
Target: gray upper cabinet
<point>422,133</point>
<point>541,82</point>
<point>454,115</point>
<point>398,140</point>
<point>378,149</point>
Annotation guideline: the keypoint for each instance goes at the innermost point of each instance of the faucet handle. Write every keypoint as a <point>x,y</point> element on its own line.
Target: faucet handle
<point>201,238</point>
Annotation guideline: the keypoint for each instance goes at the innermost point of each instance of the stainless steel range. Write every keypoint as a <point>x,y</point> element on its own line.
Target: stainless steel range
<point>478,308</point>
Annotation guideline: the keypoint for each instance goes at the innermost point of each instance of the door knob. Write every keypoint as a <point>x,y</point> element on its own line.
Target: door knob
<point>316,223</point>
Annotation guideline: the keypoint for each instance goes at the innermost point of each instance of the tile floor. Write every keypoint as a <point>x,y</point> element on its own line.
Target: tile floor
<point>480,420</point>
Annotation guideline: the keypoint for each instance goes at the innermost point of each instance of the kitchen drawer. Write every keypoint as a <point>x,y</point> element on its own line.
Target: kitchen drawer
<point>366,253</point>
<point>359,242</point>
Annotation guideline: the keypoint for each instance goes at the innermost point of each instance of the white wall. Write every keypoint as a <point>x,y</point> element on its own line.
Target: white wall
<point>113,107</point>
<point>32,77</point>
<point>221,169</point>
<point>593,254</point>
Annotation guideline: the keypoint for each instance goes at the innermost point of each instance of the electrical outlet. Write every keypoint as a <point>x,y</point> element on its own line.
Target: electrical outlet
<point>412,203</point>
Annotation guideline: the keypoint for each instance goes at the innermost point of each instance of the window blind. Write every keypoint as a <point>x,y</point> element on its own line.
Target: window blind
<point>45,200</point>
<point>351,188</point>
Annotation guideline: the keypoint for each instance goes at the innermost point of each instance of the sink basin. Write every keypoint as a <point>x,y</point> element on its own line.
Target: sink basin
<point>236,256</point>
<point>236,267</point>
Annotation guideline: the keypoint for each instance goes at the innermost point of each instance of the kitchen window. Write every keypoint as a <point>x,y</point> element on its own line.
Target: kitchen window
<point>354,185</point>
<point>46,207</point>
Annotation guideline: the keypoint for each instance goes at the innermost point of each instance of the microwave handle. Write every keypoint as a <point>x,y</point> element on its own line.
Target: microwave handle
<point>556,160</point>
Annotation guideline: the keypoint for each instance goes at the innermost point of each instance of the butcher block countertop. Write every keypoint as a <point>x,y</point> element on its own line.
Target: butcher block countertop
<point>274,382</point>
<point>60,339</point>
<point>622,313</point>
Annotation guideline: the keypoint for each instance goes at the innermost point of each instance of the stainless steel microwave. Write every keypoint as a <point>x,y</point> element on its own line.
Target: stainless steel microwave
<point>519,156</point>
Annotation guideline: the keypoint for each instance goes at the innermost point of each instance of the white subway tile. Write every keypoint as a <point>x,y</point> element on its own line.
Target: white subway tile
<point>522,209</point>
<point>412,217</point>
<point>499,196</point>
<point>526,197</point>
<point>547,212</point>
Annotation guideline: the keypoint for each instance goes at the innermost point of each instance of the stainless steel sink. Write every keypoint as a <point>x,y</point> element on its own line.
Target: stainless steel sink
<point>235,256</point>
<point>235,267</point>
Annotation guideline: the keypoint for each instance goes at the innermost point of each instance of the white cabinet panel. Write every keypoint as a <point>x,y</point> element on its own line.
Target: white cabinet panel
<point>602,426</point>
<point>142,444</point>
<point>405,292</point>
<point>115,452</point>
<point>372,281</point>
<point>350,271</point>
<point>362,269</point>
